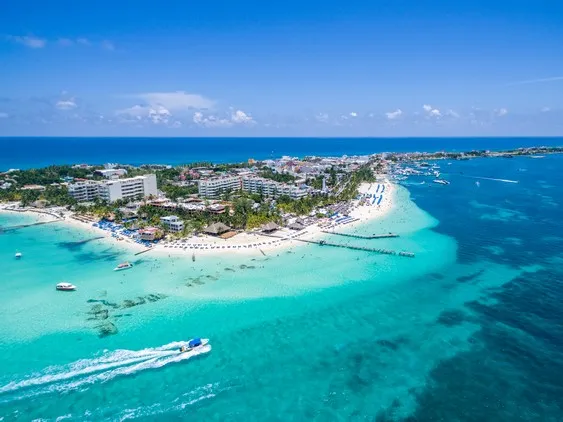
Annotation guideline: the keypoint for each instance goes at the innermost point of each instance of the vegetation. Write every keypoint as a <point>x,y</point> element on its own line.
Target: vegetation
<point>268,173</point>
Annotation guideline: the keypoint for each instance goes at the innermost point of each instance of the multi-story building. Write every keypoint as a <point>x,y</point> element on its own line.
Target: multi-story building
<point>112,190</point>
<point>214,187</point>
<point>172,223</point>
<point>272,189</point>
<point>84,191</point>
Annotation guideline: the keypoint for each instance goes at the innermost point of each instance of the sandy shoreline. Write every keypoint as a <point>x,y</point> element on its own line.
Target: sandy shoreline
<point>243,243</point>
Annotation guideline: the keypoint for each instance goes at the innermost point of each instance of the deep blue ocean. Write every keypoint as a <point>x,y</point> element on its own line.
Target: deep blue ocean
<point>40,152</point>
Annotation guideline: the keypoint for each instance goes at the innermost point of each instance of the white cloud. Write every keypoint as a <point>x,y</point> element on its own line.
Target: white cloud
<point>240,117</point>
<point>354,114</point>
<point>159,115</point>
<point>66,104</point>
<point>4,115</point>
<point>431,111</point>
<point>135,111</point>
<point>501,112</point>
<point>65,42</point>
<point>452,113</point>
<point>28,41</point>
<point>545,109</point>
<point>535,81</point>
<point>236,117</point>
<point>107,45</point>
<point>178,100</point>
<point>392,115</point>
<point>82,41</point>
<point>210,121</point>
<point>322,117</point>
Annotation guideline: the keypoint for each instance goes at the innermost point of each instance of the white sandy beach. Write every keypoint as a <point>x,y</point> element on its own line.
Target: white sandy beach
<point>250,243</point>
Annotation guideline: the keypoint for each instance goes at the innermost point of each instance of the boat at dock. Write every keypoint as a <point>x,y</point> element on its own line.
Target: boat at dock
<point>123,266</point>
<point>441,182</point>
<point>65,287</point>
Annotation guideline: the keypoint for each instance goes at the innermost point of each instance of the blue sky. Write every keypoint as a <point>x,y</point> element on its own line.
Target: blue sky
<point>378,68</point>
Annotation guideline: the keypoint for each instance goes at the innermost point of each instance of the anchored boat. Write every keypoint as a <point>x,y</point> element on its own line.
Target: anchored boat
<point>123,266</point>
<point>18,255</point>
<point>66,287</point>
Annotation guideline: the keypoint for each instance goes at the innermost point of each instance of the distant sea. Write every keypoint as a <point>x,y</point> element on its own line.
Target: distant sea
<point>40,152</point>
<point>470,330</point>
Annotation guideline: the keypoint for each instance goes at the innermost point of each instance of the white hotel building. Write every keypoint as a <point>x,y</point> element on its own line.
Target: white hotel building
<point>112,190</point>
<point>214,187</point>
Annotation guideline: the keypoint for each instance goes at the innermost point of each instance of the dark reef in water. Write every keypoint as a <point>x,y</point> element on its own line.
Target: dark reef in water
<point>470,277</point>
<point>452,317</point>
<point>101,311</point>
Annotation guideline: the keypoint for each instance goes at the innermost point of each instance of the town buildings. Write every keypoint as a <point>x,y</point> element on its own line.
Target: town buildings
<point>172,223</point>
<point>215,187</point>
<point>112,190</point>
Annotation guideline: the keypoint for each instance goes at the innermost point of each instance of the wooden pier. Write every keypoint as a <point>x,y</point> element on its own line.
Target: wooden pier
<point>22,226</point>
<point>358,236</point>
<point>356,248</point>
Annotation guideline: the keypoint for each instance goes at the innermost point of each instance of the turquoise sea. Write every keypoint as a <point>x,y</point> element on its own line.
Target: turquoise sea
<point>469,330</point>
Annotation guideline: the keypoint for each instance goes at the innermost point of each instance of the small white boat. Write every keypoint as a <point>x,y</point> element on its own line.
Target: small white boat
<point>441,181</point>
<point>18,255</point>
<point>123,266</point>
<point>194,344</point>
<point>66,287</point>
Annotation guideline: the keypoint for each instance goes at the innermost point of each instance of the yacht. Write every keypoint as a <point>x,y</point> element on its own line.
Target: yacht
<point>66,287</point>
<point>18,255</point>
<point>123,266</point>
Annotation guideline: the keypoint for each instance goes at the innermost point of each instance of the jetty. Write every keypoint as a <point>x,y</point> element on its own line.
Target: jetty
<point>22,226</point>
<point>352,247</point>
<point>143,251</point>
<point>358,236</point>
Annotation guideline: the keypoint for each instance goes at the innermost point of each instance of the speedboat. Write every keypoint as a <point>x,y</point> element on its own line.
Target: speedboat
<point>123,266</point>
<point>441,181</point>
<point>66,287</point>
<point>194,344</point>
<point>18,255</point>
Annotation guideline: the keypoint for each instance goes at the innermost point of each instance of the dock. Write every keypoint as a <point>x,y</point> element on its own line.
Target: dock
<point>144,251</point>
<point>340,245</point>
<point>358,236</point>
<point>22,226</point>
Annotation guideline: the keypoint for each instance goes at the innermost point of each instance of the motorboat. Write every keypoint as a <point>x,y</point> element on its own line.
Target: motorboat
<point>441,181</point>
<point>123,266</point>
<point>66,287</point>
<point>194,344</point>
<point>18,255</point>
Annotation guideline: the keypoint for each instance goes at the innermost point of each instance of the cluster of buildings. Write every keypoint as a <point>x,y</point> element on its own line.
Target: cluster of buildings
<point>214,187</point>
<point>114,189</point>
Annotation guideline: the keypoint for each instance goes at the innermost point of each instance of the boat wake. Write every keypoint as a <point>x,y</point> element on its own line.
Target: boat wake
<point>84,372</point>
<point>492,178</point>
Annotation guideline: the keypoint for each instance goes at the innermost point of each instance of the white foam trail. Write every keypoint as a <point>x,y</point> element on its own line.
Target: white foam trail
<point>492,178</point>
<point>102,369</point>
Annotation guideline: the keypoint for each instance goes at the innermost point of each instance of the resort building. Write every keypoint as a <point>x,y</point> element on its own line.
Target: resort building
<point>172,223</point>
<point>216,186</point>
<point>140,186</point>
<point>273,189</point>
<point>84,191</point>
<point>149,233</point>
<point>112,190</point>
<point>112,173</point>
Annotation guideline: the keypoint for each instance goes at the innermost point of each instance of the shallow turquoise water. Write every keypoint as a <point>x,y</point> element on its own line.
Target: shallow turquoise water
<point>313,333</point>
